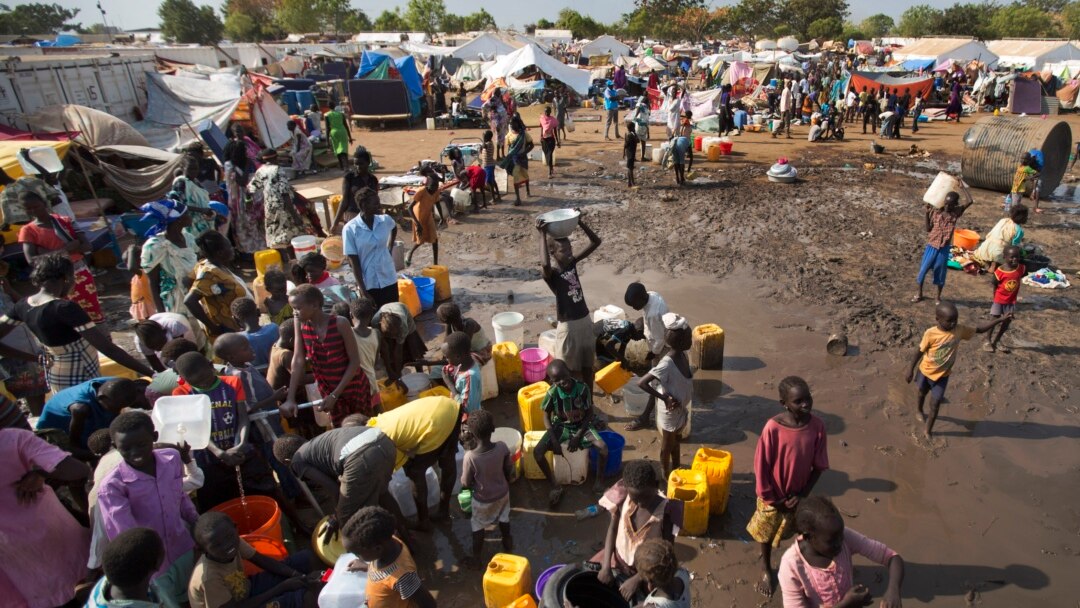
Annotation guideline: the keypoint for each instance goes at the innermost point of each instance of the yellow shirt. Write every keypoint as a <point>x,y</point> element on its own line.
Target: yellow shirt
<point>939,350</point>
<point>418,427</point>
<point>214,584</point>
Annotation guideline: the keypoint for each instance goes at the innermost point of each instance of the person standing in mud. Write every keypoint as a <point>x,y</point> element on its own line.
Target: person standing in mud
<point>940,224</point>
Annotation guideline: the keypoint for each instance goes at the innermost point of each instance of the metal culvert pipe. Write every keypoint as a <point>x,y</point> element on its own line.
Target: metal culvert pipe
<point>993,146</point>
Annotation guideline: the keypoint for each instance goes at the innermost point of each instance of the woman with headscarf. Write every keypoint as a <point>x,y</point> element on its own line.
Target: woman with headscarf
<point>187,191</point>
<point>955,107</point>
<point>169,254</point>
<point>270,189</point>
<point>494,110</point>
<point>339,135</point>
<point>1008,231</point>
<point>518,156</point>
<point>300,149</point>
<point>247,218</point>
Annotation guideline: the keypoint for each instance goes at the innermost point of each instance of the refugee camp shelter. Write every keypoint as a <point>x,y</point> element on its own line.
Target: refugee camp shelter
<point>485,47</point>
<point>529,56</point>
<point>386,88</point>
<point>605,45</point>
<point>1028,54</point>
<point>550,37</point>
<point>925,53</point>
<point>379,38</point>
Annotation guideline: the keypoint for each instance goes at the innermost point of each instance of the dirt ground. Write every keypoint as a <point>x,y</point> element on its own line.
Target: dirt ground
<point>985,514</point>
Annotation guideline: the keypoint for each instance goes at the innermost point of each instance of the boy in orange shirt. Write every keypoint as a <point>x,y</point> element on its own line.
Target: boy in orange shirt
<point>1006,282</point>
<point>937,354</point>
<point>392,580</point>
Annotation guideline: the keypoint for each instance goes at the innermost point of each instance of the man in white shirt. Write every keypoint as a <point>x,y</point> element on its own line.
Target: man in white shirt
<point>851,102</point>
<point>787,104</point>
<point>653,309</point>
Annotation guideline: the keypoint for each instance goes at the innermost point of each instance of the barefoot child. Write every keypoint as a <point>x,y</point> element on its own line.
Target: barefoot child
<point>940,224</point>
<point>489,166</point>
<point>392,580</point>
<point>668,584</point>
<point>462,372</point>
<point>791,455</point>
<point>674,387</point>
<point>817,569</point>
<point>680,149</point>
<point>1006,282</point>
<point>630,144</point>
<point>936,356</point>
<point>367,343</point>
<point>276,305</point>
<point>639,512</point>
<point>449,314</point>
<point>486,471</point>
<point>422,213</point>
<point>613,336</point>
<point>568,416</point>
<point>261,338</point>
<point>653,308</point>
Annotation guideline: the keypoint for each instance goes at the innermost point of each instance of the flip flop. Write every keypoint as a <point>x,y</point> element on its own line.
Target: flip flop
<point>635,425</point>
<point>555,497</point>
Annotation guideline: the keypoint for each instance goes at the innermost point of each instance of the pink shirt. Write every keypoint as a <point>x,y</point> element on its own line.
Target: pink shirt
<point>132,499</point>
<point>42,548</point>
<point>786,457</point>
<point>548,125</point>
<point>804,586</point>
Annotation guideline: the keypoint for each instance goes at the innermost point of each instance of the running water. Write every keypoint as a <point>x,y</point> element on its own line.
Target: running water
<point>243,498</point>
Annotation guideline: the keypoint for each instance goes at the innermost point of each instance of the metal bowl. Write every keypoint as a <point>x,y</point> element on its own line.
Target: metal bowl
<point>560,223</point>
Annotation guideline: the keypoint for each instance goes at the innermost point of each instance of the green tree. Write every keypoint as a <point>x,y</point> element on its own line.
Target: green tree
<point>782,30</point>
<point>425,15</point>
<point>332,14</point>
<point>37,18</point>
<point>543,24</point>
<point>968,20</point>
<point>1020,21</point>
<point>390,21</point>
<point>800,14</point>
<point>827,28</point>
<point>357,21</point>
<point>753,19</point>
<point>183,22</point>
<point>852,32</point>
<point>919,20</point>
<point>298,16</point>
<point>876,26</point>
<point>482,20</point>
<point>582,26</point>
<point>1049,6</point>
<point>452,24</point>
<point>250,20</point>
<point>1070,20</point>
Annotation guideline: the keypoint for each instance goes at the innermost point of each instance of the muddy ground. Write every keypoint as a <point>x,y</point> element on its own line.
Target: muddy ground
<point>985,514</point>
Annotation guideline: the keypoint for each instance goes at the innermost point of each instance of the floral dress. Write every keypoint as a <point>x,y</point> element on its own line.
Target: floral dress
<point>175,263</point>
<point>270,189</point>
<point>247,216</point>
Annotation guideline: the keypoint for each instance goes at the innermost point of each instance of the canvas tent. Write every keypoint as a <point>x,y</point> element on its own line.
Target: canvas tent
<point>529,56</point>
<point>1032,54</point>
<point>550,37</point>
<point>175,103</point>
<point>928,52</point>
<point>605,45</point>
<point>484,47</point>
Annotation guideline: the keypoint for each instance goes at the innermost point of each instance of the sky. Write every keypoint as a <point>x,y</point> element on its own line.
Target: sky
<point>133,14</point>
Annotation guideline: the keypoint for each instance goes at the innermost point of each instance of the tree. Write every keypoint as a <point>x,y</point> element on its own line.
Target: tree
<point>919,20</point>
<point>357,21</point>
<point>37,18</point>
<point>544,24</point>
<point>692,23</point>
<point>801,13</point>
<point>876,26</point>
<point>1020,21</point>
<point>482,20</point>
<point>828,28</point>
<point>332,14</point>
<point>1070,20</point>
<point>100,29</point>
<point>390,21</point>
<point>183,22</point>
<point>425,15</point>
<point>452,24</point>
<point>582,26</point>
<point>250,20</point>
<point>1049,6</point>
<point>968,20</point>
<point>751,19</point>
<point>782,30</point>
<point>852,32</point>
<point>298,16</point>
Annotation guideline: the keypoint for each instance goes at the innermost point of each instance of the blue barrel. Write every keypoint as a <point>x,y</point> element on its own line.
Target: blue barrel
<point>615,443</point>
<point>425,288</point>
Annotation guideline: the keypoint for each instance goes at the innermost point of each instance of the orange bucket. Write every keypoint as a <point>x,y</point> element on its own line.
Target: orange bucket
<point>965,239</point>
<point>261,516</point>
<point>270,547</point>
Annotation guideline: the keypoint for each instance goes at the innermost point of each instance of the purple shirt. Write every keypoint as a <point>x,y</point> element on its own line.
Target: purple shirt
<point>130,499</point>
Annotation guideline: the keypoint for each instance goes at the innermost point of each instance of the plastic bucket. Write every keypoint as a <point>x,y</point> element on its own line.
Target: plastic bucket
<point>327,552</point>
<point>697,143</point>
<point>725,147</point>
<point>512,438</point>
<point>635,399</point>
<point>416,383</point>
<point>615,444</point>
<point>264,545</point>
<point>334,251</point>
<point>542,580</point>
<point>546,341</point>
<point>965,239</point>
<point>304,244</point>
<point>425,288</point>
<point>509,327</point>
<point>534,362</point>
<point>260,517</point>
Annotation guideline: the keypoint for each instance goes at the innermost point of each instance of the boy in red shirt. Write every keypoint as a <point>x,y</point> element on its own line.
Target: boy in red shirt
<point>1006,282</point>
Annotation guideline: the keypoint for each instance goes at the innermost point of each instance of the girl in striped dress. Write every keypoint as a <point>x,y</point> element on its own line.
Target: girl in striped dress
<point>329,345</point>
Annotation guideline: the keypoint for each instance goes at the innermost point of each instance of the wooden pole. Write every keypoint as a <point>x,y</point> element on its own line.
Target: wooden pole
<point>79,160</point>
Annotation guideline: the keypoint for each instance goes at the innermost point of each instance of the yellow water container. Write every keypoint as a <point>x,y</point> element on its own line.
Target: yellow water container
<point>333,249</point>
<point>507,578</point>
<point>266,259</point>
<point>328,552</point>
<point>707,351</point>
<point>407,295</point>
<point>11,235</point>
<point>112,369</point>
<point>438,391</point>
<point>507,365</point>
<point>441,274</point>
<point>716,464</point>
<point>391,395</point>
<point>332,203</point>
<point>528,449</point>
<point>612,377</point>
<point>714,153</point>
<point>692,488</point>
<point>525,601</point>
<point>530,398</point>
<point>258,290</point>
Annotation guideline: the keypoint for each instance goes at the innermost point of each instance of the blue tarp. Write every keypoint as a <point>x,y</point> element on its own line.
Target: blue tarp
<point>914,65</point>
<point>405,66</point>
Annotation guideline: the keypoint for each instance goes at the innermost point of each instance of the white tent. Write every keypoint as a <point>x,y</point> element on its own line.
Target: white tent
<point>1032,54</point>
<point>605,45</point>
<point>526,56</point>
<point>550,37</point>
<point>928,52</point>
<point>484,47</point>
<point>419,48</point>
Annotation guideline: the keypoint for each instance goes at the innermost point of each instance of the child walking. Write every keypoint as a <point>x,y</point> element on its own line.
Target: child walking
<point>936,355</point>
<point>817,569</point>
<point>675,387</point>
<point>790,457</point>
<point>630,144</point>
<point>568,416</point>
<point>392,580</point>
<point>940,224</point>
<point>486,471</point>
<point>1006,282</point>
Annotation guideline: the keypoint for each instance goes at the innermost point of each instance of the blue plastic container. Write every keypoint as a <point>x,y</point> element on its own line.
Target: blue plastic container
<point>425,288</point>
<point>615,443</point>
<point>542,580</point>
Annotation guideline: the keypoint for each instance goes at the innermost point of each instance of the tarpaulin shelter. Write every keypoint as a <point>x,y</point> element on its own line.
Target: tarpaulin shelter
<point>530,56</point>
<point>919,85</point>
<point>1026,96</point>
<point>174,104</point>
<point>1067,95</point>
<point>375,65</point>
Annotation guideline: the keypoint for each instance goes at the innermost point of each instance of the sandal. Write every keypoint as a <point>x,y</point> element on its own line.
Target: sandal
<point>555,497</point>
<point>635,425</point>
